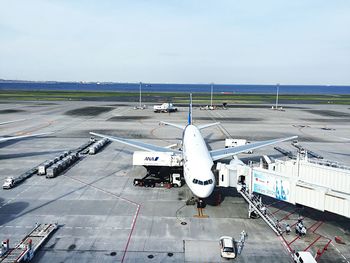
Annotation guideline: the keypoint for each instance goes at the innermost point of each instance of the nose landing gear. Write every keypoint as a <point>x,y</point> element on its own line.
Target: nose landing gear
<point>200,206</point>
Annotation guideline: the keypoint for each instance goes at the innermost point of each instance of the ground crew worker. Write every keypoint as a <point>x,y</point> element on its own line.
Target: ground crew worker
<point>288,229</point>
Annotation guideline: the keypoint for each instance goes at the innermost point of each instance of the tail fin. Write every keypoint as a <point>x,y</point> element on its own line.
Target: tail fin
<point>190,111</point>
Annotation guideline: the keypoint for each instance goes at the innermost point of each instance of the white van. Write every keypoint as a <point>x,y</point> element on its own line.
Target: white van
<point>303,257</point>
<point>227,248</point>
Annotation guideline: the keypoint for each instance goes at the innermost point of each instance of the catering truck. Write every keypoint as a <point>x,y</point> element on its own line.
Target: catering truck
<point>163,169</point>
<point>229,142</point>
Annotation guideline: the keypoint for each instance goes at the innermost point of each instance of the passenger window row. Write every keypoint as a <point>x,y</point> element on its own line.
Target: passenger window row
<point>196,181</point>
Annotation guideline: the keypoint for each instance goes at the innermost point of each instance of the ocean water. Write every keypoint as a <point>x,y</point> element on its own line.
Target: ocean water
<point>158,87</point>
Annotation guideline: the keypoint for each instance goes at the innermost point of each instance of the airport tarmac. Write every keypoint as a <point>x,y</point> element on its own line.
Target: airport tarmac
<point>104,218</point>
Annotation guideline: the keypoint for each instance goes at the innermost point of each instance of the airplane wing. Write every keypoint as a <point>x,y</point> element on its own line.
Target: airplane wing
<point>181,127</point>
<point>7,122</point>
<point>5,139</point>
<point>137,144</point>
<point>222,153</point>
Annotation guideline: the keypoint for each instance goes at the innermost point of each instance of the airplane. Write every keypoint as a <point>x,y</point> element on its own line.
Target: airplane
<point>198,161</point>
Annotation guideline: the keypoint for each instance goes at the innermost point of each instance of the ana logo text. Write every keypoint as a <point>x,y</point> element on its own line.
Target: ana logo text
<point>152,159</point>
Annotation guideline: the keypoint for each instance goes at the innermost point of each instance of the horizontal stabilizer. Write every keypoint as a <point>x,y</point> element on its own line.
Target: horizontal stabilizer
<point>178,126</point>
<point>136,144</point>
<point>200,127</point>
<point>223,153</point>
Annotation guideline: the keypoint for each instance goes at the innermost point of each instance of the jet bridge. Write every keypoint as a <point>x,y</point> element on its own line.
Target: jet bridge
<point>319,184</point>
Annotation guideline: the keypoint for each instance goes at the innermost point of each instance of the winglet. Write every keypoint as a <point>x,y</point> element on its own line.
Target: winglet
<point>190,111</point>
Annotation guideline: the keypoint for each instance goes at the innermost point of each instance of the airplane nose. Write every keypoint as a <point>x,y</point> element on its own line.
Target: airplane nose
<point>205,191</point>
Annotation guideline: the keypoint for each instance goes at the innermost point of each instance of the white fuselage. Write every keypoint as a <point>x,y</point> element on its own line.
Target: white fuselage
<point>197,163</point>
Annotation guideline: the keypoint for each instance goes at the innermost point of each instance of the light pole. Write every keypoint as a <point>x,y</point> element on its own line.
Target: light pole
<point>211,96</point>
<point>140,95</point>
<point>278,86</point>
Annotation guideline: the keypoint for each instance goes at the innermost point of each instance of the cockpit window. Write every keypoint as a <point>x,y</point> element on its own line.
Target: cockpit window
<point>196,181</point>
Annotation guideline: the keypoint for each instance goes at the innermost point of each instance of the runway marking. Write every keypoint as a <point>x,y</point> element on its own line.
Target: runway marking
<point>86,227</point>
<point>30,131</point>
<point>138,206</point>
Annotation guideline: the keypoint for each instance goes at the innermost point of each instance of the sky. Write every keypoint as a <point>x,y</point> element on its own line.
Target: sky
<point>182,41</point>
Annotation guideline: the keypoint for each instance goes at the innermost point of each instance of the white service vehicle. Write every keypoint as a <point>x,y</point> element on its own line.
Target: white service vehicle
<point>8,183</point>
<point>165,107</point>
<point>303,257</point>
<point>237,142</point>
<point>155,162</point>
<point>227,248</point>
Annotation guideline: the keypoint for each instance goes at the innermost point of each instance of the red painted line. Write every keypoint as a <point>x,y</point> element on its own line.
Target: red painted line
<point>293,240</point>
<point>324,249</point>
<point>314,225</point>
<point>312,243</point>
<point>130,234</point>
<point>286,243</point>
<point>279,209</point>
<point>289,214</point>
<point>294,224</point>
<point>289,249</point>
<point>326,246</point>
<point>318,226</point>
<point>118,197</point>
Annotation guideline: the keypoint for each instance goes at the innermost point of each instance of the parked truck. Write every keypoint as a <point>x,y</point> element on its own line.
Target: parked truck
<point>93,149</point>
<point>172,180</point>
<point>11,182</point>
<point>8,183</point>
<point>53,171</point>
<point>163,169</point>
<point>165,107</point>
<point>303,257</point>
<point>42,168</point>
<point>61,165</point>
<point>229,142</point>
